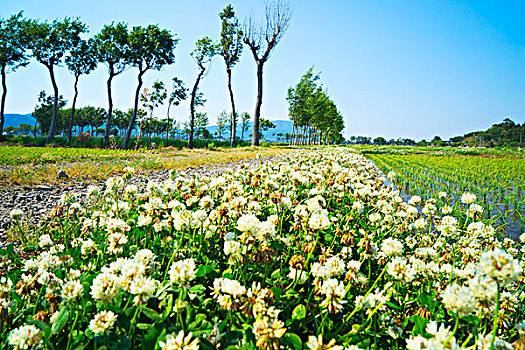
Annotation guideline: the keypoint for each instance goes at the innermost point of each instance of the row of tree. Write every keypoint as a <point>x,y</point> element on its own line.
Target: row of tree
<point>504,134</point>
<point>315,117</point>
<point>119,47</point>
<point>94,117</point>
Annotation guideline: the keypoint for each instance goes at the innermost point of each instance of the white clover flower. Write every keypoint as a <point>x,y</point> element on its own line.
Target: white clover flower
<point>429,209</point>
<point>93,191</point>
<point>143,288</point>
<point>483,288</point>
<point>391,247</point>
<point>316,343</point>
<point>183,271</point>
<point>116,241</point>
<point>500,265</point>
<point>227,292</point>
<point>144,220</point>
<point>26,337</point>
<point>129,170</point>
<point>206,202</point>
<point>484,343</point>
<point>468,198</point>
<point>181,219</point>
<point>319,220</point>
<point>474,210</point>
<point>414,200</point>
<point>420,224</point>
<point>71,290</point>
<point>374,217</point>
<point>448,226</point>
<point>401,270</point>
<point>68,198</point>
<point>299,275</point>
<point>113,184</point>
<point>102,322</point>
<point>248,223</point>
<point>45,241</point>
<point>106,287</point>
<point>87,247</point>
<point>445,210</point>
<point>199,217</point>
<point>179,342</point>
<point>391,176</point>
<point>459,299</point>
<point>267,331</point>
<point>16,214</point>
<point>146,256</point>
<point>131,190</point>
<point>334,291</point>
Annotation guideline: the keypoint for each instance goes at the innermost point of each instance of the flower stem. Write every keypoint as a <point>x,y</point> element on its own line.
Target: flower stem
<point>496,319</point>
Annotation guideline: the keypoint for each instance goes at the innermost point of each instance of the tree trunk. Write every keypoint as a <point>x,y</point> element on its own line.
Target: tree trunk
<point>70,128</point>
<point>55,105</point>
<point>2,107</point>
<point>105,140</point>
<point>151,130</point>
<point>192,108</point>
<point>134,116</point>
<point>258,103</point>
<point>233,123</point>
<point>168,124</point>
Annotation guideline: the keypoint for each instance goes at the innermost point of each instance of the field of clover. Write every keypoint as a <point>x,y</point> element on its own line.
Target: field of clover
<point>312,251</point>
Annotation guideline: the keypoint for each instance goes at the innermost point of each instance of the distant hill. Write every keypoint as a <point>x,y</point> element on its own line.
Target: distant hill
<point>281,126</point>
<point>14,119</point>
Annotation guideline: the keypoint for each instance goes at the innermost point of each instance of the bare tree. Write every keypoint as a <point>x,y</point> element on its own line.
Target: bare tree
<point>262,40</point>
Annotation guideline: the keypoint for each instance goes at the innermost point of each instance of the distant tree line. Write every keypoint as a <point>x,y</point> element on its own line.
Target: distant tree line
<point>315,117</point>
<point>119,47</point>
<point>504,134</point>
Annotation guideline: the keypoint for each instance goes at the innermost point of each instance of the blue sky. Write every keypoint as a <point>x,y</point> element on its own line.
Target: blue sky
<point>395,68</point>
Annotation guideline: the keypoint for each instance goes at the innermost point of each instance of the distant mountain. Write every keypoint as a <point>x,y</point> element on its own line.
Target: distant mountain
<point>17,119</point>
<point>281,127</point>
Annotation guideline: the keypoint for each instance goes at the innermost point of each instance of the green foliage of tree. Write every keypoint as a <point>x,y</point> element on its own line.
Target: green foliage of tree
<point>14,41</point>
<point>201,121</point>
<point>43,112</point>
<point>265,125</point>
<point>315,116</point>
<point>380,141</point>
<point>149,48</point>
<point>230,49</point>
<point>222,122</point>
<point>203,55</point>
<point>179,92</point>
<point>49,44</point>
<point>245,119</point>
<point>152,98</point>
<point>504,134</point>
<point>89,116</point>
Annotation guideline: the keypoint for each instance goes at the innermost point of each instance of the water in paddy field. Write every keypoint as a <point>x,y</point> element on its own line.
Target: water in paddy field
<point>508,218</point>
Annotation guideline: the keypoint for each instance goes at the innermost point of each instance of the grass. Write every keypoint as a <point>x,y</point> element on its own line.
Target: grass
<point>514,152</point>
<point>96,164</point>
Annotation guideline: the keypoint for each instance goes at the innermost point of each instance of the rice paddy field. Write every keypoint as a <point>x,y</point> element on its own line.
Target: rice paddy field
<point>316,250</point>
<point>497,181</point>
